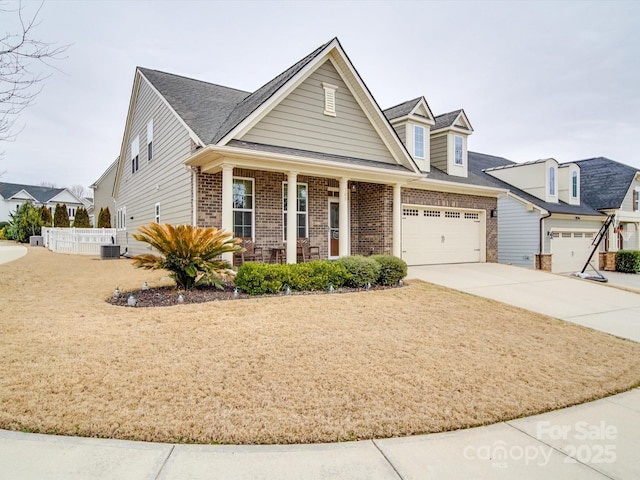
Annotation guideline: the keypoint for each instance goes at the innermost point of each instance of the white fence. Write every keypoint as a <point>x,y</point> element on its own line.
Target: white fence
<point>80,241</point>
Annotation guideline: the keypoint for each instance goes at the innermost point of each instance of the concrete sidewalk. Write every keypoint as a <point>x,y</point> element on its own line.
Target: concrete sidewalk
<point>10,251</point>
<point>585,302</point>
<point>598,440</point>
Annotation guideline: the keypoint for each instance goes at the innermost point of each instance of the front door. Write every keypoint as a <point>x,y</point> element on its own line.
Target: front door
<point>334,228</point>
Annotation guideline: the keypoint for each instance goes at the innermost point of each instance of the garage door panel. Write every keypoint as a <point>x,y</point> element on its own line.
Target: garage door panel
<point>570,250</point>
<point>432,235</point>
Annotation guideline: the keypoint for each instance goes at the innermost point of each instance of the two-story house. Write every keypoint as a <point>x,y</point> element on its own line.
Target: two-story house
<point>310,154</point>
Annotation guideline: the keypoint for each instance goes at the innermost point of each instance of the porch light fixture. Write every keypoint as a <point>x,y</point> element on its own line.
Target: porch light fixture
<point>354,188</point>
<point>549,234</point>
<point>494,213</point>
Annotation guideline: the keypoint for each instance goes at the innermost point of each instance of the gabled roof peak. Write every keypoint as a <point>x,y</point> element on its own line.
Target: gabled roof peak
<point>448,120</point>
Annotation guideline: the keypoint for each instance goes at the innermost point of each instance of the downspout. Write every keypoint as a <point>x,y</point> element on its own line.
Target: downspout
<point>541,237</point>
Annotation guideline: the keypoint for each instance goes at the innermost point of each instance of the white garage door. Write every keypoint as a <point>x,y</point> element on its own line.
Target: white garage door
<point>570,250</point>
<point>433,235</point>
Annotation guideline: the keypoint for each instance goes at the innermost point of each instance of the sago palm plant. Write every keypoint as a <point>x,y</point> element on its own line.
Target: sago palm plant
<point>191,254</point>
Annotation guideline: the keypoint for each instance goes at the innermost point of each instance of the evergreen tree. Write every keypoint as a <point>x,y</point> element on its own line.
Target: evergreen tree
<point>61,216</point>
<point>45,215</point>
<point>99,222</point>
<point>104,219</point>
<point>24,223</point>
<point>81,220</point>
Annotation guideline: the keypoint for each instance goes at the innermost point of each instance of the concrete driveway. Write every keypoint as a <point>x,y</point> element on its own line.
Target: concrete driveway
<point>588,303</point>
<point>10,251</point>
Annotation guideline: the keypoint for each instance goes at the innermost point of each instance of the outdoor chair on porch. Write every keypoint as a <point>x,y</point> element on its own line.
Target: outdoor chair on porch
<point>306,252</point>
<point>251,252</point>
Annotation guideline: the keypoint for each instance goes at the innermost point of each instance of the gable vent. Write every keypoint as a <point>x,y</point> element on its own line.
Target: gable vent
<point>329,99</point>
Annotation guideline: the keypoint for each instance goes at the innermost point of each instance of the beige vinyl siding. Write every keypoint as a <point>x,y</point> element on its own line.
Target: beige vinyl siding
<point>162,180</point>
<point>439,152</point>
<point>627,203</point>
<point>298,122</point>
<point>401,130</point>
<point>103,195</point>
<point>518,233</point>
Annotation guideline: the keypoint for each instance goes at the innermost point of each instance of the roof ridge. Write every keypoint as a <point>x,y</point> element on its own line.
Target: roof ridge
<point>449,113</point>
<point>190,78</point>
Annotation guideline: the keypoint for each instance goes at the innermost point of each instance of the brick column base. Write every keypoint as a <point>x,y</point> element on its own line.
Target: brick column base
<point>608,261</point>
<point>543,262</point>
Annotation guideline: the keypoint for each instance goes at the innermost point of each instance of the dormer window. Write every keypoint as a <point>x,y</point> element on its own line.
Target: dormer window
<point>574,185</point>
<point>418,141</point>
<point>458,148</point>
<point>329,99</point>
<point>552,181</point>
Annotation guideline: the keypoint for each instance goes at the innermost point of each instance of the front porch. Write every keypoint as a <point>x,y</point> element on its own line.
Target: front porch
<point>339,216</point>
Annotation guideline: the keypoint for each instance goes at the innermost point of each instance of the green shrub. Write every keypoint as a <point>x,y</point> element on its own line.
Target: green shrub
<point>260,278</point>
<point>628,261</point>
<point>361,270</point>
<point>24,222</point>
<point>392,269</point>
<point>45,215</point>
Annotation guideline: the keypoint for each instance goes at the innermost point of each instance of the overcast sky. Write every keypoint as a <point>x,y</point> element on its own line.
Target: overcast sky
<point>536,79</point>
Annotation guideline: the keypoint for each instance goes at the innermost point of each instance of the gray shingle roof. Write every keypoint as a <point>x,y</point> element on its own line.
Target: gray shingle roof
<point>317,155</point>
<point>445,120</point>
<point>203,106</point>
<point>41,194</point>
<point>401,109</point>
<point>603,182</point>
<point>478,162</point>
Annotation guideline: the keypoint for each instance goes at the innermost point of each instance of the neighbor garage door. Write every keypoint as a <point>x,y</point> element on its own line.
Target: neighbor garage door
<point>435,235</point>
<point>570,250</point>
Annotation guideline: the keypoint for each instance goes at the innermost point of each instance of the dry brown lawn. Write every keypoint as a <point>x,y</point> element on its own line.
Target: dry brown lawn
<point>311,368</point>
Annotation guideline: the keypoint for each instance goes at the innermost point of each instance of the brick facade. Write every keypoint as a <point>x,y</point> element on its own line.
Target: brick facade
<point>543,262</point>
<point>371,210</point>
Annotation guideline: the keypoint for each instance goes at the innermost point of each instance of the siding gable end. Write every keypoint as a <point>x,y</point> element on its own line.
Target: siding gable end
<point>298,121</point>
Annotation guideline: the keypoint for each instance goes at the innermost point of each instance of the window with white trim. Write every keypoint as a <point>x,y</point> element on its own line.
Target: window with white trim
<point>71,211</point>
<point>150,140</point>
<point>552,181</point>
<point>121,218</point>
<point>135,155</point>
<point>329,99</point>
<point>157,213</point>
<point>636,200</point>
<point>301,210</point>
<point>418,141</point>
<point>458,142</point>
<point>574,184</point>
<point>243,207</point>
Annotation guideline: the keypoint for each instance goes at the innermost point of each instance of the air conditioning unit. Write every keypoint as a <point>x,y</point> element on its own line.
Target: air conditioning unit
<point>109,252</point>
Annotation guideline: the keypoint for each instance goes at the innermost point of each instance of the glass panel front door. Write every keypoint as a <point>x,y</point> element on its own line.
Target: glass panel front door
<point>334,228</point>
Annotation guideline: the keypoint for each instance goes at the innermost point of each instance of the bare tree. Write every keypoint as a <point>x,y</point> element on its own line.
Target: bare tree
<point>19,54</point>
<point>78,190</point>
<point>48,184</point>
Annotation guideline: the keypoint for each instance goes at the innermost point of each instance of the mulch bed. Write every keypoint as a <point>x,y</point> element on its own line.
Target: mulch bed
<point>168,296</point>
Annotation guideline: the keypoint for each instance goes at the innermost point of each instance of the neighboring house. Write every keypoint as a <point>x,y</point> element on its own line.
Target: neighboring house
<point>543,222</point>
<point>13,195</point>
<point>613,188</point>
<point>312,142</point>
<point>103,193</point>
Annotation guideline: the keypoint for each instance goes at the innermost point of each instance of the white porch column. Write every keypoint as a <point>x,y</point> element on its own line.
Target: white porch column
<point>343,218</point>
<point>227,205</point>
<point>397,220</point>
<point>612,238</point>
<point>292,217</point>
